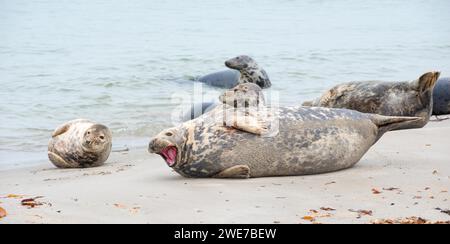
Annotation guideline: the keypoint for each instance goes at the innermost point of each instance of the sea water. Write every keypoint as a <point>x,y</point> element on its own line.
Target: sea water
<point>122,63</point>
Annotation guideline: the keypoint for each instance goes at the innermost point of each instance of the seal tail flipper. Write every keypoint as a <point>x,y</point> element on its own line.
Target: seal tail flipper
<point>388,123</point>
<point>307,104</point>
<point>427,81</point>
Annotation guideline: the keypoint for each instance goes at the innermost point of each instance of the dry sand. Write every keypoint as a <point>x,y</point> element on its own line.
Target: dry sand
<point>407,173</point>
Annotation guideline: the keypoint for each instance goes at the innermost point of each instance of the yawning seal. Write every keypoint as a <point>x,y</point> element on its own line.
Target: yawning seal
<point>238,141</point>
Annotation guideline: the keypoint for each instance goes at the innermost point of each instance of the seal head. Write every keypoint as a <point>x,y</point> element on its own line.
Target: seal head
<point>97,138</point>
<point>168,144</point>
<point>250,71</point>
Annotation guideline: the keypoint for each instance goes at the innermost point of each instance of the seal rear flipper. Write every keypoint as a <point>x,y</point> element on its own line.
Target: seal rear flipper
<point>427,81</point>
<point>236,172</point>
<point>388,123</point>
<point>58,161</point>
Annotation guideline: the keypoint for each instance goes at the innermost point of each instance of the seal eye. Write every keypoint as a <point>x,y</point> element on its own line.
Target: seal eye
<point>169,134</point>
<point>102,137</point>
<point>89,133</point>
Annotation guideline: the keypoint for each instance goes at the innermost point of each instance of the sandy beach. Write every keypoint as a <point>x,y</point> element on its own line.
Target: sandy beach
<point>407,173</point>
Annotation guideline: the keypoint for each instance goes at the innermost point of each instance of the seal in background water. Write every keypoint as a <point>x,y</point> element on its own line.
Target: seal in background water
<point>244,70</point>
<point>235,141</point>
<point>386,98</point>
<point>441,97</point>
<point>80,144</point>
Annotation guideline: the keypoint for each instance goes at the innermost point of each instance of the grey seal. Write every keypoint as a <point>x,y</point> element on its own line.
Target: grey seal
<point>413,98</point>
<point>441,97</point>
<point>223,79</point>
<point>236,141</point>
<point>244,69</point>
<point>80,143</point>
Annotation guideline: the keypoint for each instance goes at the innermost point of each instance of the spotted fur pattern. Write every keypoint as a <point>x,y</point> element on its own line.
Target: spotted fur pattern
<point>250,71</point>
<point>67,150</point>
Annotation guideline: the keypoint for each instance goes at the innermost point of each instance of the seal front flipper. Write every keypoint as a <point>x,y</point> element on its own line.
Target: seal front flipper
<point>61,130</point>
<point>236,172</point>
<point>65,127</point>
<point>246,121</point>
<point>58,161</point>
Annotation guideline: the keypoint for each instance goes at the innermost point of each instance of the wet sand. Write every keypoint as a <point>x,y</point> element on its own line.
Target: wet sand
<point>407,173</point>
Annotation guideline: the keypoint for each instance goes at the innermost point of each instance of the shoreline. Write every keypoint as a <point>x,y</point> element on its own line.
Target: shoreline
<point>407,173</point>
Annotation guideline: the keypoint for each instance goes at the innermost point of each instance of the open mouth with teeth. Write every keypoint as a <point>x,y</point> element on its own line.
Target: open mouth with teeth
<point>170,155</point>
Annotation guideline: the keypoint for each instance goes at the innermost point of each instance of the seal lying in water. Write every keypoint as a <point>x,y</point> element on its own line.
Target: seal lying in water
<point>237,142</point>
<point>441,97</point>
<point>386,98</point>
<point>244,70</point>
<point>80,144</point>
<point>224,79</point>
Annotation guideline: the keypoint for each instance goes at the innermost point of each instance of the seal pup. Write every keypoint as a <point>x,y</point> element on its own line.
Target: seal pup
<point>441,97</point>
<point>80,144</point>
<point>243,70</point>
<point>413,98</point>
<point>236,142</point>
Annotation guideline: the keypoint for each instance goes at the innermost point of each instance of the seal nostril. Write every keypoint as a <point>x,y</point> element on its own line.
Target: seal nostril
<point>150,146</point>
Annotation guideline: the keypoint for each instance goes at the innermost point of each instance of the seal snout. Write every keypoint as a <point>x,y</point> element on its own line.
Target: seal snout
<point>152,148</point>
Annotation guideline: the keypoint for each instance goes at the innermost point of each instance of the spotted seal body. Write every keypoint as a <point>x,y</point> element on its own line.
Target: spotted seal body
<point>386,98</point>
<point>80,144</point>
<point>441,97</point>
<point>231,142</point>
<point>243,70</point>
